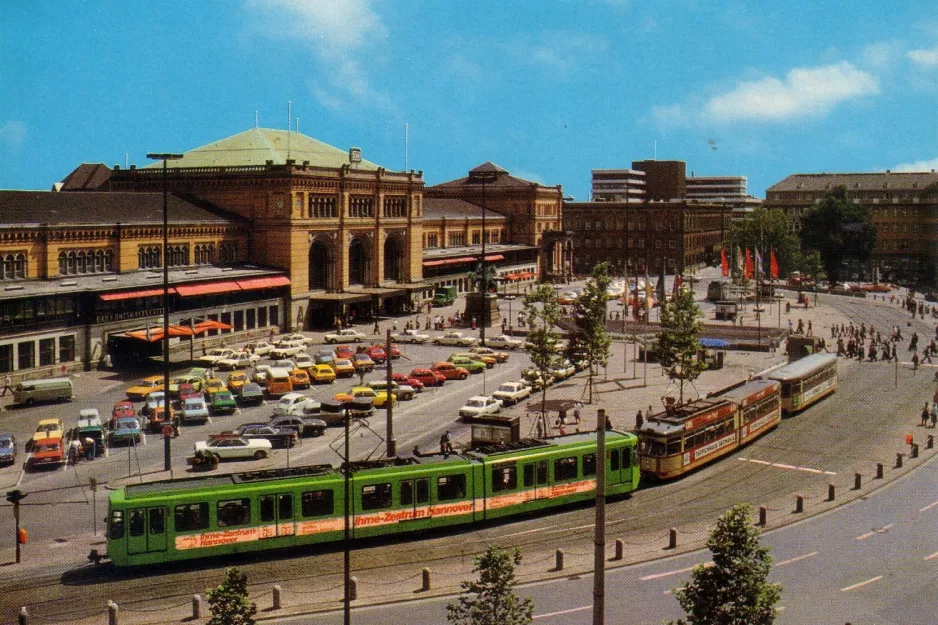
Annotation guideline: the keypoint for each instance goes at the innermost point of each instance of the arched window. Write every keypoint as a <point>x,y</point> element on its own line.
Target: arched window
<point>63,264</point>
<point>71,263</point>
<point>80,266</point>
<point>19,266</point>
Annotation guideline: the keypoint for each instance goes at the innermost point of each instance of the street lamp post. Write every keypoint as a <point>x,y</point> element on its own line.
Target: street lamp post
<point>483,177</point>
<point>165,156</point>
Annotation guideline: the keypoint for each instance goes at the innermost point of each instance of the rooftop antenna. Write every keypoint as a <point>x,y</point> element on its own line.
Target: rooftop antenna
<point>297,125</point>
<point>255,118</point>
<point>289,117</point>
<point>406,137</point>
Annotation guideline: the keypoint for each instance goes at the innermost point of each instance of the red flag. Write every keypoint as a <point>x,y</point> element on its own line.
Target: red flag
<point>773,265</point>
<point>724,263</point>
<point>748,269</point>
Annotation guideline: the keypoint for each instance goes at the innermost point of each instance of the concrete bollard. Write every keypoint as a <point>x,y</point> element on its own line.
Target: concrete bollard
<point>426,580</point>
<point>196,606</point>
<point>929,441</point>
<point>857,481</point>
<point>762,515</point>
<point>353,588</point>
<point>799,504</point>
<point>879,470</point>
<point>831,492</point>
<point>276,593</point>
<point>23,617</point>
<point>620,549</point>
<point>672,538</point>
<point>112,613</point>
<point>558,560</point>
<point>898,461</point>
<point>915,450</point>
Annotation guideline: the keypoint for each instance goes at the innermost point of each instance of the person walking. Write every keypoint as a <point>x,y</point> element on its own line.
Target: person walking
<point>925,415</point>
<point>176,423</point>
<point>90,448</point>
<point>446,445</point>
<point>576,412</point>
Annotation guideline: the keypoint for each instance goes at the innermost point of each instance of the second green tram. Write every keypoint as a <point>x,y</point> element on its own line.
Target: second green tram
<point>206,516</point>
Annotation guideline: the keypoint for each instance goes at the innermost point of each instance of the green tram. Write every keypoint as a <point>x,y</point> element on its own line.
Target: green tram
<point>206,516</point>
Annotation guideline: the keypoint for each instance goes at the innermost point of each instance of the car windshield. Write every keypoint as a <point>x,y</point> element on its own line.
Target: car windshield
<point>128,424</point>
<point>5,443</point>
<point>194,403</point>
<point>476,403</point>
<point>507,388</point>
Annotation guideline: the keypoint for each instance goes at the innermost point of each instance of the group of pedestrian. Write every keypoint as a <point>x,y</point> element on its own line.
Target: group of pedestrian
<point>929,414</point>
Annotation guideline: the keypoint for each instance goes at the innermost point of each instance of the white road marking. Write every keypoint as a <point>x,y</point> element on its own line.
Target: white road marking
<point>792,467</point>
<point>669,573</point>
<point>550,614</point>
<point>797,559</point>
<point>929,506</point>
<point>932,556</point>
<point>869,581</point>
<point>874,532</point>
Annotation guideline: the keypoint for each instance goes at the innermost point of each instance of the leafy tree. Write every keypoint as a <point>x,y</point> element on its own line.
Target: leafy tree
<point>228,602</point>
<point>838,229</point>
<point>734,590</point>
<point>679,338</point>
<point>767,230</point>
<point>541,314</point>
<point>589,341</point>
<point>491,600</point>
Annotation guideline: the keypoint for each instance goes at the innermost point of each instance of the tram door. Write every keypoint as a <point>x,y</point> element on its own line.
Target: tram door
<point>146,530</point>
<point>415,497</point>
<point>618,465</point>
<point>534,475</point>
<point>277,515</point>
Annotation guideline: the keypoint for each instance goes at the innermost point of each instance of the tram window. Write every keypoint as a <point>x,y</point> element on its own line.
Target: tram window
<point>589,464</point>
<point>653,448</point>
<point>191,516</point>
<point>318,503</point>
<point>116,529</point>
<point>674,446</point>
<point>450,487</point>
<point>627,457</point>
<point>565,469</point>
<point>542,472</point>
<point>234,512</point>
<point>528,476</point>
<point>406,492</point>
<point>285,504</point>
<point>614,460</point>
<point>157,521</point>
<point>138,523</point>
<point>267,508</point>
<point>504,478</point>
<point>376,496</point>
<point>423,490</point>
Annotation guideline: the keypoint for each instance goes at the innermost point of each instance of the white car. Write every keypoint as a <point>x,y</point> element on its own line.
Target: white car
<point>227,446</point>
<point>504,342</point>
<point>480,406</point>
<point>295,337</point>
<point>260,374</point>
<point>410,336</point>
<point>212,356</point>
<point>194,409</point>
<point>563,371</point>
<point>241,360</point>
<point>512,392</point>
<point>345,336</point>
<point>261,348</point>
<point>455,338</point>
<point>296,405</point>
<point>287,348</point>
<point>303,361</point>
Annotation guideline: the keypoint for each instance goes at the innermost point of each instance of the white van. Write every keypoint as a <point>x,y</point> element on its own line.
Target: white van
<point>52,389</point>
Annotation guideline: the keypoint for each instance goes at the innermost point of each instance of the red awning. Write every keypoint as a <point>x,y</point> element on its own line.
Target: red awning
<point>433,263</point>
<point>110,297</point>
<point>495,257</point>
<point>207,288</point>
<point>264,283</point>
<point>210,324</point>
<point>156,334</point>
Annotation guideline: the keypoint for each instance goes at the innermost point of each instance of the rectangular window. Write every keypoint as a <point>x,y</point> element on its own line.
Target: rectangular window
<point>318,503</point>
<point>226,319</point>
<point>267,508</point>
<point>157,521</point>
<point>234,512</point>
<point>285,506</point>
<point>504,478</point>
<point>407,493</point>
<point>614,460</point>
<point>376,496</point>
<point>423,490</point>
<point>138,522</point>
<point>46,352</point>
<point>262,317</point>
<point>450,487</point>
<point>238,320</point>
<point>25,355</point>
<point>6,358</point>
<point>433,239</point>
<point>542,472</point>
<point>589,464</point>
<point>395,206</point>
<point>250,321</point>
<point>191,516</point>
<point>274,317</point>
<point>528,476</point>
<point>565,469</point>
<point>116,526</point>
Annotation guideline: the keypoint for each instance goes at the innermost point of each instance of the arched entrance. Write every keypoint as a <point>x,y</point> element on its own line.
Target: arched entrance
<point>394,259</point>
<point>320,267</point>
<point>359,262</point>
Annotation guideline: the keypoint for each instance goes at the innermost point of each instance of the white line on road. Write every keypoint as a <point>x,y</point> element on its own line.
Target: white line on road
<point>669,573</point>
<point>869,581</point>
<point>874,532</point>
<point>550,614</point>
<point>792,467</point>
<point>932,556</point>
<point>929,506</point>
<point>797,559</point>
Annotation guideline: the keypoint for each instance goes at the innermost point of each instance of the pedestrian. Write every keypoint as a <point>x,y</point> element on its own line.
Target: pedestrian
<point>204,350</point>
<point>934,414</point>
<point>176,423</point>
<point>608,423</point>
<point>639,419</point>
<point>108,362</point>
<point>925,415</point>
<point>915,361</point>
<point>394,326</point>
<point>376,329</point>
<point>90,448</point>
<point>446,445</point>
<point>74,451</point>
<point>791,327</point>
<point>576,411</point>
<point>810,329</point>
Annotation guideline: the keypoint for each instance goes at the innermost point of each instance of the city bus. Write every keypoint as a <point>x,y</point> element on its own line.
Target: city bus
<point>806,381</point>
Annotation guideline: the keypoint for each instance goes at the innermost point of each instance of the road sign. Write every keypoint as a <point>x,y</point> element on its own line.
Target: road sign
<point>167,430</point>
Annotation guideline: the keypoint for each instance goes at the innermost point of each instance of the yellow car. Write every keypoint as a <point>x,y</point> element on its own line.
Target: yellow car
<point>343,367</point>
<point>378,398</point>
<point>323,374</point>
<point>237,380</point>
<point>213,385</point>
<point>46,428</point>
<point>299,378</point>
<point>144,387</point>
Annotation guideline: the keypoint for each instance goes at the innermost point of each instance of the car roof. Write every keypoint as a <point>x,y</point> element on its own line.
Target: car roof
<point>479,397</point>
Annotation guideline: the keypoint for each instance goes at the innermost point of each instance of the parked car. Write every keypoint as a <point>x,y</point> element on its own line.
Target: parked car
<point>284,363</point>
<point>240,360</point>
<point>377,354</point>
<point>46,428</point>
<point>395,352</point>
<point>343,367</point>
<point>144,387</point>
<point>429,377</point>
<point>378,398</point>
<point>296,404</point>
<point>232,446</point>
<point>563,371</point>
<point>7,449</point>
<point>533,377</point>
<point>296,336</point>
<point>403,392</point>
<point>455,338</point>
<point>344,351</point>
<point>410,336</point>
<point>193,378</point>
<point>251,394</point>
<point>488,361</point>
<point>301,424</point>
<point>567,297</point>
<point>237,380</point>
<point>511,393</point>
<point>450,371</point>
<point>212,356</point>
<point>279,437</point>
<point>470,365</point>
<point>304,361</point>
<point>153,401</point>
<point>288,348</point>
<point>480,406</point>
<point>261,348</point>
<point>403,378</point>
<point>193,410</point>
<point>126,431</point>
<point>260,374</point>
<point>122,408</point>
<point>223,402</point>
<point>160,416</point>
<point>503,341</point>
<point>48,451</point>
<point>187,390</point>
<point>363,362</point>
<point>491,353</point>
<point>299,378</point>
<point>324,357</point>
<point>323,374</point>
<point>212,386</point>
<point>90,426</point>
<point>345,336</point>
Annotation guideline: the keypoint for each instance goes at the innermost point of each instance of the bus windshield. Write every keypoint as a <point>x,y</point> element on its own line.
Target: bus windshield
<point>652,447</point>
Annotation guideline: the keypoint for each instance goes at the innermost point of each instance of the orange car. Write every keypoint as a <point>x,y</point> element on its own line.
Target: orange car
<point>299,378</point>
<point>450,371</point>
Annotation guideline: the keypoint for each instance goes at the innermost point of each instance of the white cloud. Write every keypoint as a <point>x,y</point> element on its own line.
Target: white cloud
<point>667,116</point>
<point>337,31</point>
<point>882,54</point>
<point>803,92</point>
<point>930,165</point>
<point>558,52</point>
<point>924,58</point>
<point>12,134</point>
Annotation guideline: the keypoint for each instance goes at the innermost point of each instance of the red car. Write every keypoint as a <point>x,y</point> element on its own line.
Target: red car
<point>377,353</point>
<point>187,391</point>
<point>402,378</point>
<point>428,377</point>
<point>344,351</point>
<point>122,409</point>
<point>395,351</point>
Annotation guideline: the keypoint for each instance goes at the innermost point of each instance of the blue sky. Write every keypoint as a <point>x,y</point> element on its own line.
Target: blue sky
<point>547,89</point>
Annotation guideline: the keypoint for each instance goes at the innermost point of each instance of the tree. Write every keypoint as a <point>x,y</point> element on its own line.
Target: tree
<point>590,341</point>
<point>766,230</point>
<point>491,600</point>
<point>228,602</point>
<point>679,338</point>
<point>734,590</point>
<point>838,229</point>
<point>541,314</point>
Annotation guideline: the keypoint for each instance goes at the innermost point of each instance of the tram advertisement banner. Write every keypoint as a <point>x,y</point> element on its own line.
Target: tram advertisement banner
<point>696,454</point>
<point>823,387</point>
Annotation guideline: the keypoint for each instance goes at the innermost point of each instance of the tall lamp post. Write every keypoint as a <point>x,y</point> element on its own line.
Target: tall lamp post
<point>483,177</point>
<point>165,156</point>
